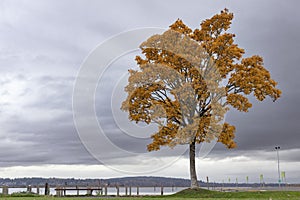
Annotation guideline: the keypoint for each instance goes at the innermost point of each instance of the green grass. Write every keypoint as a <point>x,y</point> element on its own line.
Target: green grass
<point>202,193</point>
<point>188,194</point>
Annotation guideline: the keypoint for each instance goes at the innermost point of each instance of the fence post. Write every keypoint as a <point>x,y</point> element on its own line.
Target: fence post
<point>161,190</point>
<point>137,191</point>
<point>129,190</point>
<point>207,180</point>
<point>89,191</point>
<point>47,190</point>
<point>77,190</point>
<point>118,191</point>
<point>5,190</point>
<point>38,190</point>
<point>65,192</point>
<point>61,191</point>
<point>126,191</point>
<point>29,189</point>
<point>57,191</point>
<point>105,190</point>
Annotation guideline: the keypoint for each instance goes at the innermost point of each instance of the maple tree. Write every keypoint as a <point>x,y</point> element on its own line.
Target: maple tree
<point>188,79</point>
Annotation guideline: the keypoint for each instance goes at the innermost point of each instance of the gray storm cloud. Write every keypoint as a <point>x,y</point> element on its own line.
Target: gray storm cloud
<point>43,45</point>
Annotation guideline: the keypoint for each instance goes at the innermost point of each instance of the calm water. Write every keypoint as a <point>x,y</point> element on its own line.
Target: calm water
<point>110,191</point>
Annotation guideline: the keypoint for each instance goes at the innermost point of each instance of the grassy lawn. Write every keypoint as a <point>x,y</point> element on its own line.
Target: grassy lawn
<point>201,193</point>
<point>185,194</point>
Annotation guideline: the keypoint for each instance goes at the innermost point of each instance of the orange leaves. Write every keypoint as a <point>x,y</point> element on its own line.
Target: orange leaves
<point>180,27</point>
<point>218,43</point>
<point>163,137</point>
<point>250,76</point>
<point>140,61</point>
<point>239,102</point>
<point>211,28</point>
<point>183,78</point>
<point>227,135</point>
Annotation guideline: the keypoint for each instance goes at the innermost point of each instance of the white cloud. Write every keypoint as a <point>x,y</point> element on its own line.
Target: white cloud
<point>236,167</point>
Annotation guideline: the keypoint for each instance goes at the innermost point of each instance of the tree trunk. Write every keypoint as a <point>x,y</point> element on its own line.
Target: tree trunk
<point>194,182</point>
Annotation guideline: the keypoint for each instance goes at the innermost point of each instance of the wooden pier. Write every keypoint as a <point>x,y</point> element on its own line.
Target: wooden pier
<point>62,191</point>
<point>102,191</point>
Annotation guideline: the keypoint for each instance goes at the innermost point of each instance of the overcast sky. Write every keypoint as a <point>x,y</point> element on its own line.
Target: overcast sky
<point>43,45</point>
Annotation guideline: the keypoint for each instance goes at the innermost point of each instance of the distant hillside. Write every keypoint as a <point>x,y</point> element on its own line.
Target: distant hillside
<point>126,181</point>
<point>141,181</point>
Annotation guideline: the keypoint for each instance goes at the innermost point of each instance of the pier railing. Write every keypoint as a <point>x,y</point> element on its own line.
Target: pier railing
<point>91,190</point>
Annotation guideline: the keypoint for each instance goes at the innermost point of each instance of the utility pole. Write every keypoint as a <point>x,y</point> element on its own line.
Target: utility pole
<point>279,180</point>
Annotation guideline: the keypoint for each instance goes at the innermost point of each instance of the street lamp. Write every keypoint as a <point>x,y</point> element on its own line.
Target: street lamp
<point>277,149</point>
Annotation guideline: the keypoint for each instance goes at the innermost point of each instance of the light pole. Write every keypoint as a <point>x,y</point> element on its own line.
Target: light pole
<point>277,149</point>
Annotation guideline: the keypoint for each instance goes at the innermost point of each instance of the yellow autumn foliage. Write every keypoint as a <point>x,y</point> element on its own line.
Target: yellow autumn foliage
<point>187,79</point>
